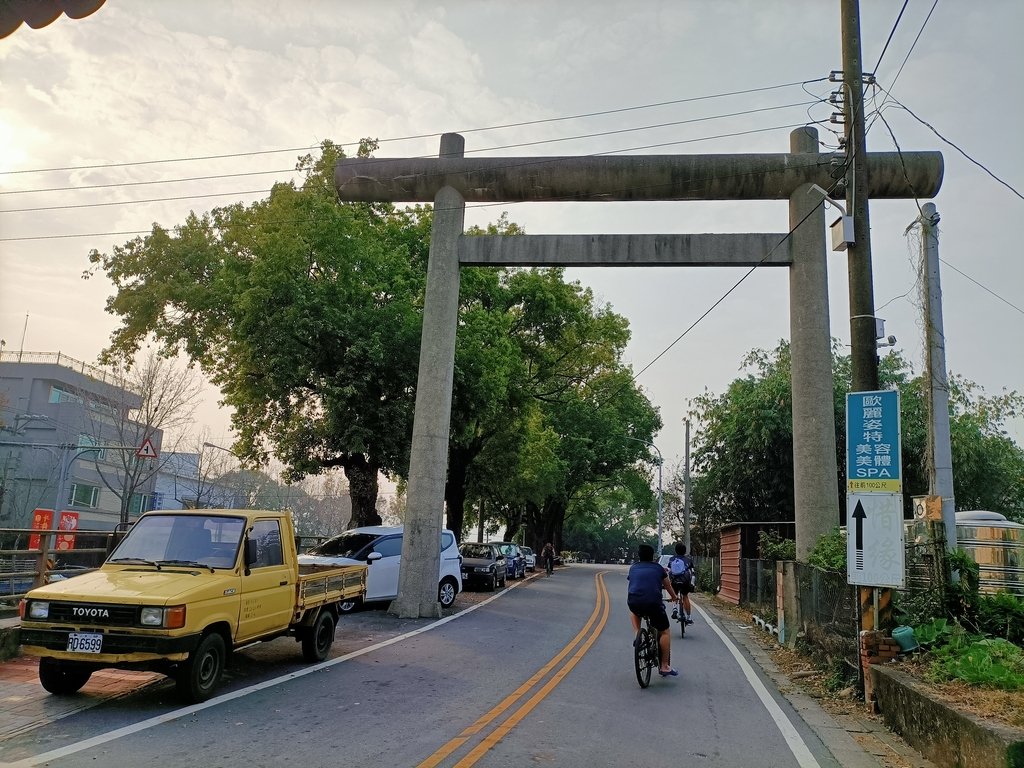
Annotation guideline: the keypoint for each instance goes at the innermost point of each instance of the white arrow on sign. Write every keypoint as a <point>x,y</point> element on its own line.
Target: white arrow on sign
<point>147,450</point>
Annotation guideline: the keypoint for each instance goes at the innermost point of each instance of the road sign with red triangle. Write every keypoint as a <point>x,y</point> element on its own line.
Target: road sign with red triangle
<point>147,450</point>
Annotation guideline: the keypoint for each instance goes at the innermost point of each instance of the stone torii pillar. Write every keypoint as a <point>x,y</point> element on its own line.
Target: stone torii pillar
<point>451,180</point>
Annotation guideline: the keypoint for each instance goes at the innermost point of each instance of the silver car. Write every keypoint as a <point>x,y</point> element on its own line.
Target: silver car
<point>531,558</point>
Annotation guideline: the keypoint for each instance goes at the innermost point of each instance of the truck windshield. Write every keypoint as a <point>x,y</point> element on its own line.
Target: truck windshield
<point>208,540</point>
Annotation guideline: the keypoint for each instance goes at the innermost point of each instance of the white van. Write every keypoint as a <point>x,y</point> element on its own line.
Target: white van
<point>380,547</point>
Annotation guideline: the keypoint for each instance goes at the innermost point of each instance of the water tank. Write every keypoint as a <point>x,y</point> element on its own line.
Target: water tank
<point>996,545</point>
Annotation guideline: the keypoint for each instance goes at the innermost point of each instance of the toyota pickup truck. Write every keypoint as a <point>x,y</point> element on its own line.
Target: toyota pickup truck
<point>180,592</point>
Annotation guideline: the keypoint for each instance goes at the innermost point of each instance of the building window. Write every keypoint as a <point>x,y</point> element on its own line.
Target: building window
<point>84,495</point>
<point>58,395</point>
<point>84,441</point>
<point>138,505</point>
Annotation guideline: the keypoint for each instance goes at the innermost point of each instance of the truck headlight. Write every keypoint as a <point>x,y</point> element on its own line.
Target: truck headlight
<point>166,618</point>
<point>37,609</point>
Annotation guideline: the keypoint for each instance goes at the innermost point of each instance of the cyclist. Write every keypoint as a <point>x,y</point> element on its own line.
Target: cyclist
<point>646,580</point>
<point>548,556</point>
<point>680,575</point>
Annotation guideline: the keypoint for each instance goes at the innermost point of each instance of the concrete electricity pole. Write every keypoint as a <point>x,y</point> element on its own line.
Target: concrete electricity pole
<point>940,454</point>
<point>864,352</point>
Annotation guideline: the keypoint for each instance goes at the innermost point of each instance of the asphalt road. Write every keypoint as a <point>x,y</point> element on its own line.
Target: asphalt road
<point>539,675</point>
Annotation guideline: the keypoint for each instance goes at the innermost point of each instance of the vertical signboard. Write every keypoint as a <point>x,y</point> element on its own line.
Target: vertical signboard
<point>875,540</point>
<point>68,522</point>
<point>42,519</point>
<point>873,449</point>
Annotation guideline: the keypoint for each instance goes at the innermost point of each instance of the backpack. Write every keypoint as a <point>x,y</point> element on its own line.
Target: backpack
<point>681,570</point>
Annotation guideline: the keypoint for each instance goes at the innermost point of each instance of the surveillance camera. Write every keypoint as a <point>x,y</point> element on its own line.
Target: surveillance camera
<point>892,341</point>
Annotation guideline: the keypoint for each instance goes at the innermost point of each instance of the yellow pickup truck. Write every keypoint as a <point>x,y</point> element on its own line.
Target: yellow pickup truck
<point>181,591</point>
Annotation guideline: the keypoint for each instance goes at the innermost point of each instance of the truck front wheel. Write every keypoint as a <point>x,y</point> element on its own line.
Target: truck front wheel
<point>198,677</point>
<point>61,678</point>
<point>317,641</point>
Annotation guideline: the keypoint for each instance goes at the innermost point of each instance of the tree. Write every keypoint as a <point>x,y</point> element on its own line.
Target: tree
<point>305,312</point>
<point>742,460</point>
<point>156,402</point>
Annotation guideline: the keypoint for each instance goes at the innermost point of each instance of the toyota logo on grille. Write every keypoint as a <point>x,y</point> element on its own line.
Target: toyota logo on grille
<point>91,613</point>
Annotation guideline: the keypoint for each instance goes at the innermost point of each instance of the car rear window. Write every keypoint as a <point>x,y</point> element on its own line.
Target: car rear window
<point>347,544</point>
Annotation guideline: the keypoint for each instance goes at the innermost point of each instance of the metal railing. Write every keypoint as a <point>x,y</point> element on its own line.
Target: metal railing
<point>59,358</point>
<point>23,568</point>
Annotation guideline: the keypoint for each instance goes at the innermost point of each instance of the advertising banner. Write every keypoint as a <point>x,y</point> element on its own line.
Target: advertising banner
<point>42,519</point>
<point>68,522</point>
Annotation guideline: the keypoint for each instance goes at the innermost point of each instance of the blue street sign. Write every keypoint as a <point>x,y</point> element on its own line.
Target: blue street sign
<point>873,451</point>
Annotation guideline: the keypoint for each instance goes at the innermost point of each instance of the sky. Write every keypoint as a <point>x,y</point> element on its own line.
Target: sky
<point>127,117</point>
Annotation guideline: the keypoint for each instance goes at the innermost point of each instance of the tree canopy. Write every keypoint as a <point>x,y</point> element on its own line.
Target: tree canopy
<point>307,312</point>
<point>743,443</point>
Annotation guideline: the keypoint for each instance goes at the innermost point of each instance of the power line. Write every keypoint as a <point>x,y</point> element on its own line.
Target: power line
<point>954,146</point>
<point>914,44</point>
<point>482,205</point>
<point>984,288</point>
<point>891,33</point>
<point>425,135</point>
<point>577,137</point>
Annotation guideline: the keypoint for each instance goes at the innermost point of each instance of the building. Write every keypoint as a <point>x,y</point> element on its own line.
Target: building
<point>66,434</point>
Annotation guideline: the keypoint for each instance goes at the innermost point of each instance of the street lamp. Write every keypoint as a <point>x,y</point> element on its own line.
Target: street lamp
<point>660,462</point>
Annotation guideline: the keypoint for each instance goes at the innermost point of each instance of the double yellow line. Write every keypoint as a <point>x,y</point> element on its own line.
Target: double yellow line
<point>593,628</point>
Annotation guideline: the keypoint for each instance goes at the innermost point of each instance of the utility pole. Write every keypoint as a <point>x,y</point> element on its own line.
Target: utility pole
<point>940,454</point>
<point>864,352</point>
<point>875,603</point>
<point>686,490</point>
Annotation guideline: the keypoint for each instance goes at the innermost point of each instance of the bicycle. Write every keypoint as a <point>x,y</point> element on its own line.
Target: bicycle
<point>646,652</point>
<point>549,565</point>
<point>680,614</point>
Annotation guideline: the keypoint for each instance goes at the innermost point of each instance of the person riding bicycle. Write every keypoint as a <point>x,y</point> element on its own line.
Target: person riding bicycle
<point>680,573</point>
<point>548,556</point>
<point>646,580</point>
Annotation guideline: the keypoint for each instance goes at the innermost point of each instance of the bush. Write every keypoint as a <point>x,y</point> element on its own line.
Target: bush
<point>830,552</point>
<point>990,662</point>
<point>1002,615</point>
<point>772,547</point>
<point>706,578</point>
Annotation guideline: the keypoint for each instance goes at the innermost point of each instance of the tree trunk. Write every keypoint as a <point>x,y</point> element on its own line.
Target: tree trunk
<point>362,488</point>
<point>455,493</point>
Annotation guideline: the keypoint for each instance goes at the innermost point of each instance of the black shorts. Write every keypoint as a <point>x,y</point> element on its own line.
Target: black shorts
<point>653,611</point>
<point>683,587</point>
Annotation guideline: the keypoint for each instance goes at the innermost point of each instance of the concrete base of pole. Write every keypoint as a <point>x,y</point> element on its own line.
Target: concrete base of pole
<point>410,608</point>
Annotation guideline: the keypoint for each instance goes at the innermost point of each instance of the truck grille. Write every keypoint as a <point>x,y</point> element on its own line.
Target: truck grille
<point>93,614</point>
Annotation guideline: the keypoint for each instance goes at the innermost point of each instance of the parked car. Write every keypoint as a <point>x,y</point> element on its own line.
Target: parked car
<point>515,561</point>
<point>531,559</point>
<point>380,547</point>
<point>483,564</point>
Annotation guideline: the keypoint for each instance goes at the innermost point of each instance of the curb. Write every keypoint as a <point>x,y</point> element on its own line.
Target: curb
<point>951,738</point>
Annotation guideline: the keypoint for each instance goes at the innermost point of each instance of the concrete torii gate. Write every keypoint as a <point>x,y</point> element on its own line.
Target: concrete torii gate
<point>451,180</point>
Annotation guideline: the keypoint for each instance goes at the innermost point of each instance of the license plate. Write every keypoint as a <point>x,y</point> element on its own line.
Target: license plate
<point>85,642</point>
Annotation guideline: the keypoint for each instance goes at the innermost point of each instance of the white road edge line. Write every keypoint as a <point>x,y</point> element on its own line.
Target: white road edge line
<point>167,717</point>
<point>793,739</point>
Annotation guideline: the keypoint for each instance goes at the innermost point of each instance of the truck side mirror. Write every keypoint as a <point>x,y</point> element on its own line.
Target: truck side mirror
<point>251,553</point>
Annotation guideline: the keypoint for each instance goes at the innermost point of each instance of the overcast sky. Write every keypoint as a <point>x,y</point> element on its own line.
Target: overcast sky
<point>139,82</point>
